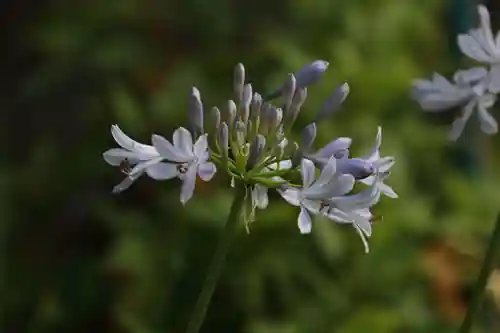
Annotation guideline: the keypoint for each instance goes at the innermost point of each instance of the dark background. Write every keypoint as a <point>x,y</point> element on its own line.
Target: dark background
<point>76,258</point>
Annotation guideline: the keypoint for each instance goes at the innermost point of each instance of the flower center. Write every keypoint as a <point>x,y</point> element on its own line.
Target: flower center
<point>182,168</point>
<point>125,166</point>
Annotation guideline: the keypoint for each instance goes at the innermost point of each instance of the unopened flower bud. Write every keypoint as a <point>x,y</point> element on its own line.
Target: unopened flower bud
<point>298,99</point>
<point>245,103</point>
<point>307,137</point>
<point>273,117</point>
<point>358,167</point>
<point>224,139</point>
<point>256,147</point>
<point>310,73</point>
<point>215,115</point>
<point>333,102</point>
<point>240,133</point>
<point>288,91</point>
<point>195,112</point>
<point>239,81</point>
<point>264,118</point>
<point>231,113</point>
<point>255,106</point>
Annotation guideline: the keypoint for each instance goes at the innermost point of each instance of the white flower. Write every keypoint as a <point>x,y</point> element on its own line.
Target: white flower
<point>469,92</point>
<point>191,160</point>
<point>311,197</point>
<point>481,45</point>
<point>145,158</point>
<point>382,164</point>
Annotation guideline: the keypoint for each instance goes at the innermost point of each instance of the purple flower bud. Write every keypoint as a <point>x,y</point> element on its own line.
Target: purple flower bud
<point>224,139</point>
<point>288,91</point>
<point>231,113</point>
<point>298,100</point>
<point>307,137</point>
<point>333,102</point>
<point>256,147</point>
<point>239,81</point>
<point>310,73</point>
<point>215,115</point>
<point>357,167</point>
<point>195,112</point>
<point>245,103</point>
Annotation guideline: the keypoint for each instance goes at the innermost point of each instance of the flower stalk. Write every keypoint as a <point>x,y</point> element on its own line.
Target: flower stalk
<point>485,272</point>
<point>217,262</point>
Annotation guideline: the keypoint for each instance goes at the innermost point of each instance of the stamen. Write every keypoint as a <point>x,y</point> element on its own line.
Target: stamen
<point>182,168</point>
<point>125,166</point>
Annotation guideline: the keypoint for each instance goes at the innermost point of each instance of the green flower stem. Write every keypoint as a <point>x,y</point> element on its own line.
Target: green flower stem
<point>218,260</point>
<point>482,280</point>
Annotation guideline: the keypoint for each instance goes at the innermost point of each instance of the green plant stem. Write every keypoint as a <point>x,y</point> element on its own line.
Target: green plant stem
<point>480,286</point>
<point>217,262</point>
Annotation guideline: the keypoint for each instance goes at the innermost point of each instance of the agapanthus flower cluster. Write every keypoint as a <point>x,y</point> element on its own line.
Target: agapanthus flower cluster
<point>249,139</point>
<point>471,89</point>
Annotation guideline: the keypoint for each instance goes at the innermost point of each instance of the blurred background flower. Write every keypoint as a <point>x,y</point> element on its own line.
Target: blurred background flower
<point>78,259</point>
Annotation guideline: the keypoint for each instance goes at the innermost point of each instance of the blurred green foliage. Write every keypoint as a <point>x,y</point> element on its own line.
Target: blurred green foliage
<point>79,259</point>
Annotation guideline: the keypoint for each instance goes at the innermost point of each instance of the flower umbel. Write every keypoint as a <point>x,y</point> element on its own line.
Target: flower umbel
<point>249,140</point>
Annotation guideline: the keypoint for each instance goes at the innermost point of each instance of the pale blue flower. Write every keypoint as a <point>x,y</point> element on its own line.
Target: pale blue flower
<point>382,165</point>
<point>191,160</point>
<point>311,197</point>
<point>481,45</point>
<point>468,92</point>
<point>144,158</point>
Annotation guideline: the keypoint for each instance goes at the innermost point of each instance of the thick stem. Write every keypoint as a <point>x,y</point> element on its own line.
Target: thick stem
<point>217,263</point>
<point>482,280</point>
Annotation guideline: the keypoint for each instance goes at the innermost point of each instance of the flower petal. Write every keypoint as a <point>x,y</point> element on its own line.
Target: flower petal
<point>373,154</point>
<point>388,191</point>
<point>458,124</point>
<point>364,199</point>
<point>494,75</point>
<point>304,221</point>
<point>183,141</point>
<point>126,183</point>
<point>343,185</point>
<point>470,76</point>
<point>385,163</point>
<point>127,143</point>
<point>471,48</point>
<point>489,40</point>
<point>291,195</point>
<point>201,148</point>
<point>188,184</point>
<point>328,171</point>
<point>206,171</point>
<point>307,170</point>
<point>162,171</point>
<point>168,151</point>
<point>337,215</point>
<point>259,196</point>
<point>333,147</point>
<point>140,167</point>
<point>487,123</point>
<point>439,101</point>
<point>116,156</point>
